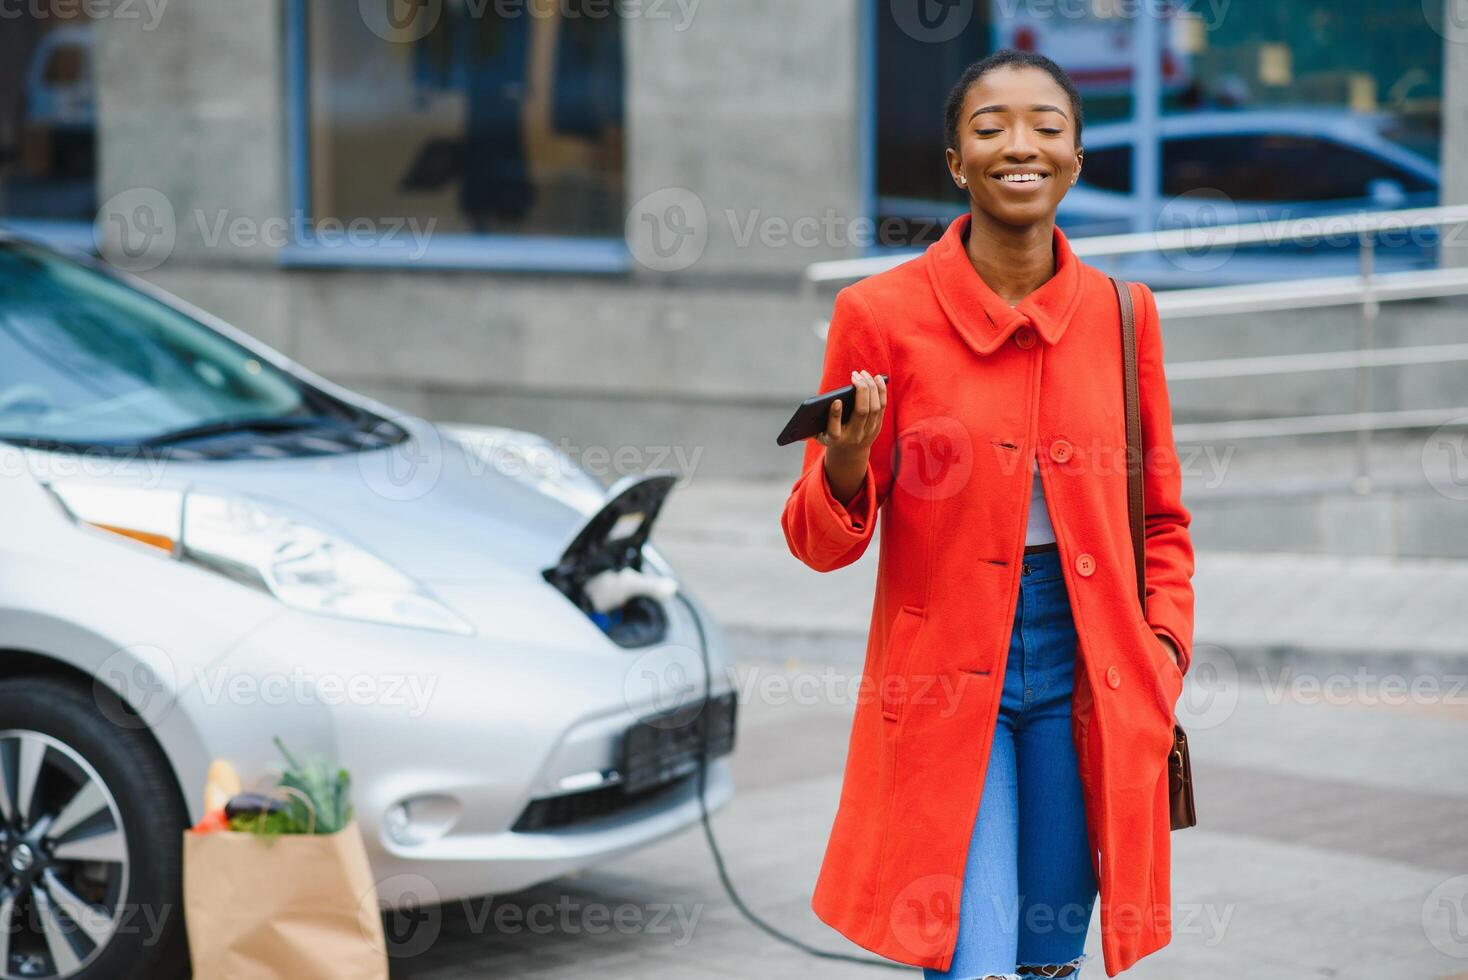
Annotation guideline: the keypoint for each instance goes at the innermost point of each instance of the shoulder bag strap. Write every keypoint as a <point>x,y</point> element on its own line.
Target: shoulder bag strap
<point>1135,501</point>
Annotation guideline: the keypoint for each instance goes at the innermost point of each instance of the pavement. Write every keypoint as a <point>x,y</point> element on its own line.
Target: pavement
<point>1327,709</point>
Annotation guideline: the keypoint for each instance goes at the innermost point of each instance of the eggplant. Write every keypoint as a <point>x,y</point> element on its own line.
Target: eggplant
<point>252,805</point>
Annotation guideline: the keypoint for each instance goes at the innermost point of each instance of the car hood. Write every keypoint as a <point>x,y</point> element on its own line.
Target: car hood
<point>431,505</point>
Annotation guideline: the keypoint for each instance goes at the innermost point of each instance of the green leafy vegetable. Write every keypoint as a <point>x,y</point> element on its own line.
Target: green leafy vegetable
<point>320,802</point>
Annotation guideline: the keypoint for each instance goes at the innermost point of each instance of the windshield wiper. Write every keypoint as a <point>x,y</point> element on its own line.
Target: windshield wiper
<point>279,423</point>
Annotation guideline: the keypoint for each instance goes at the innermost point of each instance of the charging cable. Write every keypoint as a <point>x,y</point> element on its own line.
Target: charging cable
<point>708,830</point>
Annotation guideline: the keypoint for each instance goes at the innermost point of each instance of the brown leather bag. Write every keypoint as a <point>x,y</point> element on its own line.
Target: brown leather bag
<point>1179,765</point>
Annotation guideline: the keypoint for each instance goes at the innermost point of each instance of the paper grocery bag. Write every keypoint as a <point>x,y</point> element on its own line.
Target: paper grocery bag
<point>292,907</point>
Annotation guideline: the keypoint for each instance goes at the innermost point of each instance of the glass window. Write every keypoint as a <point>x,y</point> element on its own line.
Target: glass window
<point>1328,104</point>
<point>923,48</point>
<point>1330,89</point>
<point>48,120</point>
<point>914,73</point>
<point>484,119</point>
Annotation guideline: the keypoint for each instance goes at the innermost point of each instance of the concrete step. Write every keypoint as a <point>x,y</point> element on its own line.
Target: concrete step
<point>1258,612</point>
<point>1399,494</point>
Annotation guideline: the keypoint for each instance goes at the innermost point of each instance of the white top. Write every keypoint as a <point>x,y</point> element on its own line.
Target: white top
<point>1038,530</point>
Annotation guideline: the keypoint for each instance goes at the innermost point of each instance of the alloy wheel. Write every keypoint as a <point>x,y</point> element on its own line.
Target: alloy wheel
<point>63,859</point>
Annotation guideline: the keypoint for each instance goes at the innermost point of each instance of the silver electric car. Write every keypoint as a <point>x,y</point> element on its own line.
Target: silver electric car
<point>204,546</point>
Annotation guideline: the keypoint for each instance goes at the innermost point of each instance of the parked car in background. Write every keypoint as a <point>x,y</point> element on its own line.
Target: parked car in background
<point>1246,166</point>
<point>205,545</point>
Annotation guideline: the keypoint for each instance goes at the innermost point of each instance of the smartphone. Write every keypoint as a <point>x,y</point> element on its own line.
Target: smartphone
<point>811,417</point>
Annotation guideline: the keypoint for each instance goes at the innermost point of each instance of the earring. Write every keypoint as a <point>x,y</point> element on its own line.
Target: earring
<point>963,181</point>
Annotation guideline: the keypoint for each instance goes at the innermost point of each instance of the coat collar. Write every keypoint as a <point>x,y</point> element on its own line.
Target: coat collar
<point>979,314</point>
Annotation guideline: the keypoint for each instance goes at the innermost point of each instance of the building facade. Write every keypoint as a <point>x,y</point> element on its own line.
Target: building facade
<point>590,219</point>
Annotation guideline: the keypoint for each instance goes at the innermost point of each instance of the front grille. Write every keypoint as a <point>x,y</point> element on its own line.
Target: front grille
<point>655,756</point>
<point>572,808</point>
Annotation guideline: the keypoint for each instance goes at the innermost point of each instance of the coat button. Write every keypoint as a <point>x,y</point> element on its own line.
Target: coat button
<point>1113,677</point>
<point>1025,337</point>
<point>1085,564</point>
<point>1060,450</point>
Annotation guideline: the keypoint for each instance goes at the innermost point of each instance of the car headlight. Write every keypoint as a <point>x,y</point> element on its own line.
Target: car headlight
<point>301,564</point>
<point>533,460</point>
<point>304,566</point>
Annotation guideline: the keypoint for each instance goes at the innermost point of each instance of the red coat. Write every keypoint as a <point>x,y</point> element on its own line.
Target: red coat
<point>977,390</point>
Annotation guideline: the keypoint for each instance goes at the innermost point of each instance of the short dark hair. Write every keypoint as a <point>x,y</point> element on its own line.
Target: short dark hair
<point>1008,58</point>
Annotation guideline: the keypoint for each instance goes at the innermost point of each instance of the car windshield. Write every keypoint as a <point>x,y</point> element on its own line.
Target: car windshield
<point>87,361</point>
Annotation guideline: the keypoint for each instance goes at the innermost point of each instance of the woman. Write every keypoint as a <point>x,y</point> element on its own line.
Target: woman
<point>1009,662</point>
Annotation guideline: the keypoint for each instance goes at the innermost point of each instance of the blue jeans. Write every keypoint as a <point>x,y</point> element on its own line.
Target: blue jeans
<point>1028,885</point>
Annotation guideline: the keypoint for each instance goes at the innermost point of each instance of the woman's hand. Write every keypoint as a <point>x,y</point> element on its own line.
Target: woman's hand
<point>849,445</point>
<point>1171,649</point>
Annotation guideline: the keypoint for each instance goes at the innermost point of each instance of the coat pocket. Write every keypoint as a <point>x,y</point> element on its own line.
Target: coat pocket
<point>1169,677</point>
<point>896,684</point>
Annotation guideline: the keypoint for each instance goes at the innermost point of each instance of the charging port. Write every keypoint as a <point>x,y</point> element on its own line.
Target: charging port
<point>590,571</point>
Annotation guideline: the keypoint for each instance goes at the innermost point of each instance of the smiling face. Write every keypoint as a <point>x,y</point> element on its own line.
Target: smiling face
<point>1016,152</point>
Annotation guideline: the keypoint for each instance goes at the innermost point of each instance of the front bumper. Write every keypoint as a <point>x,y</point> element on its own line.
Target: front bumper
<point>467,729</point>
<point>464,866</point>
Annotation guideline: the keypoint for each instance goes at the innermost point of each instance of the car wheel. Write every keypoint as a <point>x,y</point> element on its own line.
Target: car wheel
<point>90,842</point>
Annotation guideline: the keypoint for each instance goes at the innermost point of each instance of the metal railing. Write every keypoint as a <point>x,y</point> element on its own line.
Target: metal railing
<point>1181,239</point>
<point>1367,289</point>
